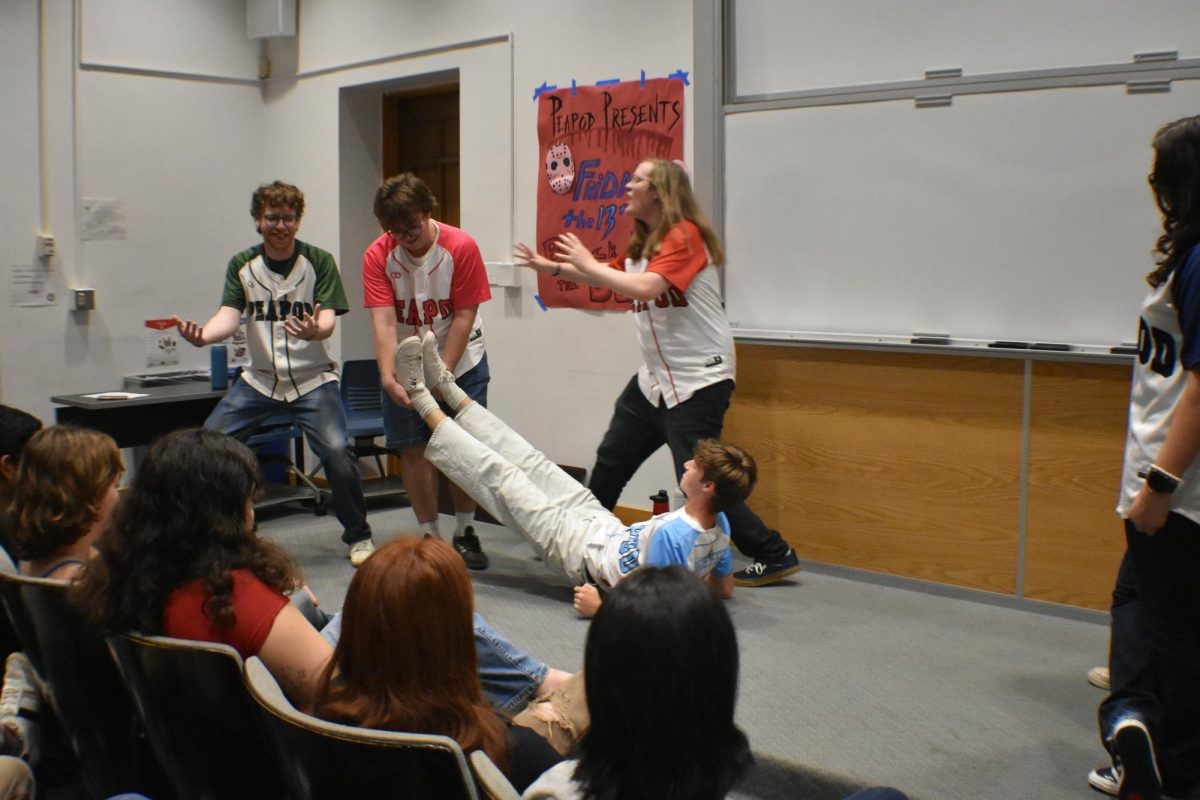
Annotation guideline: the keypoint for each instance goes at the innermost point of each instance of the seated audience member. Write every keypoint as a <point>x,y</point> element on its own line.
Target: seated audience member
<point>567,527</point>
<point>660,670</point>
<point>661,674</point>
<point>15,429</point>
<point>183,559</point>
<point>62,494</point>
<point>406,658</point>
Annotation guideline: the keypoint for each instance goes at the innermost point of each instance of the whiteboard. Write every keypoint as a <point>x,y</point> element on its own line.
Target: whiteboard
<point>1022,215</point>
<point>796,45</point>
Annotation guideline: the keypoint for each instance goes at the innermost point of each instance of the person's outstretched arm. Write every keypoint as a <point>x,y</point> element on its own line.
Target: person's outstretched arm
<point>219,327</point>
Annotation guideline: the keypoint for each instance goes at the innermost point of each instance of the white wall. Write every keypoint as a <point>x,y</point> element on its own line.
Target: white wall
<point>184,151</point>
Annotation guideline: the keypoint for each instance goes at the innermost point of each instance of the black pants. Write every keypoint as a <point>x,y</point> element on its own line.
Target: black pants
<point>639,428</point>
<point>1166,575</point>
<point>1129,648</point>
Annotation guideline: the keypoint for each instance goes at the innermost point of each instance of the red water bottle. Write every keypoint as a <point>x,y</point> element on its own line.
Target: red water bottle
<point>661,502</point>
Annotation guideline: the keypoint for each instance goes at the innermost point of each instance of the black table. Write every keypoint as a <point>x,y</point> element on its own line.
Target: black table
<point>137,422</point>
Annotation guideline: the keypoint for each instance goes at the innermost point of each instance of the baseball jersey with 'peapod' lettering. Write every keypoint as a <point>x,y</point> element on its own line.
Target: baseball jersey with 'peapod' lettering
<point>281,366</point>
<point>426,291</point>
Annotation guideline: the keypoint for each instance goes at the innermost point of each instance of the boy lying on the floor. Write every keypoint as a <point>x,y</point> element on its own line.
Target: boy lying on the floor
<point>563,521</point>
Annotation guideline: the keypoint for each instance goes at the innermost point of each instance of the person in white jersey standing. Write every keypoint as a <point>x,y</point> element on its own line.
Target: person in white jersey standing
<point>683,388</point>
<point>1152,722</point>
<point>421,274</point>
<point>291,295</point>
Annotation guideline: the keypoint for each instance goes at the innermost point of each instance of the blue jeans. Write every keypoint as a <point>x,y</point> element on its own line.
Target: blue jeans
<point>322,417</point>
<point>510,675</point>
<point>639,428</point>
<point>1166,696</point>
<point>403,427</point>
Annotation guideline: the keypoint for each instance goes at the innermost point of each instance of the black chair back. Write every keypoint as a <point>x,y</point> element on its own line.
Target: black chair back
<point>202,724</point>
<point>84,688</point>
<point>324,759</point>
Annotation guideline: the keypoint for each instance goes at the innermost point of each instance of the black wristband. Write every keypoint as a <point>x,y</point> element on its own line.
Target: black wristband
<point>1159,480</point>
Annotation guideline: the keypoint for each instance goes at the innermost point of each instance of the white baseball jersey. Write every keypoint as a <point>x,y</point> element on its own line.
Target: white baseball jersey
<point>1168,348</point>
<point>686,340</point>
<point>281,366</point>
<point>671,538</point>
<point>426,291</point>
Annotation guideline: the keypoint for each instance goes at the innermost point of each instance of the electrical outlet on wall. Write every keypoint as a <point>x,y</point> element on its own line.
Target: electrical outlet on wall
<point>84,299</point>
<point>46,246</point>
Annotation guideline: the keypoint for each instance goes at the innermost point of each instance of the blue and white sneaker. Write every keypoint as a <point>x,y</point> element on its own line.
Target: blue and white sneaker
<point>1139,778</point>
<point>1106,780</point>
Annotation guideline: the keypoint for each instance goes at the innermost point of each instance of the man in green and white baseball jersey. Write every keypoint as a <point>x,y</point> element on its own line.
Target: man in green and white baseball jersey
<point>290,294</point>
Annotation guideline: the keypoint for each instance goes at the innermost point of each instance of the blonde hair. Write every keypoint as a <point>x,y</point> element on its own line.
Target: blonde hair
<point>670,181</point>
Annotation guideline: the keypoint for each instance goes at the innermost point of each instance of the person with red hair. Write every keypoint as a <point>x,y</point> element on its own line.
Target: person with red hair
<point>406,659</point>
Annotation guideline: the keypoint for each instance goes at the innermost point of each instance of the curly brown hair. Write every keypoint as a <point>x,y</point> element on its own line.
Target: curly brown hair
<point>62,477</point>
<point>276,193</point>
<point>184,519</point>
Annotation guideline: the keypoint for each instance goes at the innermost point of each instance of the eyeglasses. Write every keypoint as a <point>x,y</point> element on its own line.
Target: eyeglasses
<point>286,220</point>
<point>409,233</point>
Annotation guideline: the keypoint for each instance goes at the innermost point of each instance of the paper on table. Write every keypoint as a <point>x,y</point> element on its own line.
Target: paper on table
<point>115,396</point>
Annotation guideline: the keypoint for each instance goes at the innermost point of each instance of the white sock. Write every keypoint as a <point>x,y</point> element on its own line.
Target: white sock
<point>422,401</point>
<point>430,527</point>
<point>462,520</point>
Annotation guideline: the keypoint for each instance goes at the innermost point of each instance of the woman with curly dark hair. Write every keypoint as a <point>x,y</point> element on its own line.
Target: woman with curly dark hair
<point>406,658</point>
<point>1150,724</point>
<point>183,559</point>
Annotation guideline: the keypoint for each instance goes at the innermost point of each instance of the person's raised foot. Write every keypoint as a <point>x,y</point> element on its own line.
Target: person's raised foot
<point>1100,678</point>
<point>409,371</point>
<point>467,545</point>
<point>438,375</point>
<point>762,573</point>
<point>436,372</point>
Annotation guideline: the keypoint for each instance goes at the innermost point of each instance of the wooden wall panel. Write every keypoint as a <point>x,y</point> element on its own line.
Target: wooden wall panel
<point>901,463</point>
<point>1073,537</point>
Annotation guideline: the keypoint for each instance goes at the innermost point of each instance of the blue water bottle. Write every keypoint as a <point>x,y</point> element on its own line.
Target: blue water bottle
<point>220,366</point>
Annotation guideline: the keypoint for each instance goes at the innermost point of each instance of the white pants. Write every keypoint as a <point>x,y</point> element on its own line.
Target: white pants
<point>519,486</point>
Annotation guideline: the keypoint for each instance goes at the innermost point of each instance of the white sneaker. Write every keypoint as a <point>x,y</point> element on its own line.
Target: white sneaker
<point>435,370</point>
<point>1105,779</point>
<point>20,694</point>
<point>360,551</point>
<point>409,371</point>
<point>1139,775</point>
<point>1100,678</point>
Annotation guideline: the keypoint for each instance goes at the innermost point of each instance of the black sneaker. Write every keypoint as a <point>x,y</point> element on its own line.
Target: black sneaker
<point>1139,776</point>
<point>761,573</point>
<point>471,551</point>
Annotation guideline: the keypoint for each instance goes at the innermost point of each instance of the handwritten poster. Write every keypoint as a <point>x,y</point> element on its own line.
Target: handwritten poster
<point>591,139</point>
